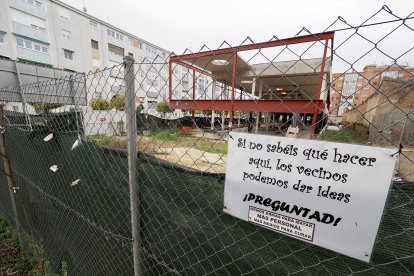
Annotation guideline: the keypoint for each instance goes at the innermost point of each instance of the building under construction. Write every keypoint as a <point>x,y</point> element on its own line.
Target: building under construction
<point>264,96</point>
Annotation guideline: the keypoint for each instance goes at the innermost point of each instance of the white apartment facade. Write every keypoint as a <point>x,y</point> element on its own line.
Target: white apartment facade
<point>54,34</point>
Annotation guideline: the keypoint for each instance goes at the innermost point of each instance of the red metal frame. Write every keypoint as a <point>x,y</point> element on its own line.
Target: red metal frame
<point>318,95</point>
<point>281,42</point>
<point>193,68</point>
<point>314,106</point>
<point>278,106</point>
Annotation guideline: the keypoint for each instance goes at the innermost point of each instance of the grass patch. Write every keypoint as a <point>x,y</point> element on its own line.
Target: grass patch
<point>165,134</point>
<point>211,146</point>
<point>346,135</point>
<point>108,141</point>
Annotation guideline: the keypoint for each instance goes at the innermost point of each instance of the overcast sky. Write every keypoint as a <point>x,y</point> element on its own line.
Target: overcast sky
<point>179,24</point>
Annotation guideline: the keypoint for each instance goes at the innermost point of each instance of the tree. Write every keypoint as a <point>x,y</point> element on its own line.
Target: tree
<point>118,102</point>
<point>164,107</point>
<point>100,104</point>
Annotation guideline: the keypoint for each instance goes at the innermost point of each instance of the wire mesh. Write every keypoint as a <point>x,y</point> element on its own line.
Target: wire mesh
<point>67,145</point>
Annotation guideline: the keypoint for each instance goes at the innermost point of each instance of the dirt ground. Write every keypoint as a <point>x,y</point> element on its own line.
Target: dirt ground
<point>183,152</point>
<point>194,158</point>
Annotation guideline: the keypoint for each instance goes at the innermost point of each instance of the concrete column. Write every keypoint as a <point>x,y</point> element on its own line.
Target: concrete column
<point>213,98</point>
<point>268,114</point>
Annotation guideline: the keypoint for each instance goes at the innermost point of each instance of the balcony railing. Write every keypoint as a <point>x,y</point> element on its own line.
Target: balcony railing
<point>29,31</point>
<point>33,55</point>
<point>116,58</point>
<point>28,8</point>
<point>116,42</point>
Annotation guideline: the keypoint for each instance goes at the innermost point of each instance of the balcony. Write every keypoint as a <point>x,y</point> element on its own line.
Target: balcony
<point>28,8</point>
<point>115,58</point>
<point>31,55</point>
<point>116,42</point>
<point>152,94</point>
<point>30,32</point>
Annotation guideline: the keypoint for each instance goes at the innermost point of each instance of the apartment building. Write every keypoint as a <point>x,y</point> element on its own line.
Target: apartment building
<point>352,89</point>
<point>54,34</point>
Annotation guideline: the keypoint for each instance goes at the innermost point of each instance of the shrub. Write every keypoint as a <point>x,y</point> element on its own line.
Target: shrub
<point>118,102</point>
<point>45,106</point>
<point>100,104</point>
<point>140,107</point>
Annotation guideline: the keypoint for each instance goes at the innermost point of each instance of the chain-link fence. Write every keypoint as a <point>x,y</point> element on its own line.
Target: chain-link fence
<point>72,147</point>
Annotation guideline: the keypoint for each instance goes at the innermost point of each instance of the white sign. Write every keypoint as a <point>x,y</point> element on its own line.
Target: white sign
<point>329,194</point>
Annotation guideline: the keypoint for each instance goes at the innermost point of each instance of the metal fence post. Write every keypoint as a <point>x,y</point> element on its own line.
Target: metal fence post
<point>10,179</point>
<point>131,123</point>
<point>27,116</point>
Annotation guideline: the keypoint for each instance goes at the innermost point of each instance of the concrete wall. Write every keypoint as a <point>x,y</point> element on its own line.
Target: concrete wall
<point>104,122</point>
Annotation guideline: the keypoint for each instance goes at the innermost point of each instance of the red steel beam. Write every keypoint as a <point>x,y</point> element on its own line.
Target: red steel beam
<point>279,106</point>
<point>280,42</point>
<point>192,67</point>
<point>318,95</point>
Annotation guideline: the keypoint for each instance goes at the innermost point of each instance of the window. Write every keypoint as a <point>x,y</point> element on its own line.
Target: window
<point>37,27</point>
<point>130,42</point>
<point>2,37</point>
<point>27,44</point>
<point>115,35</point>
<point>152,105</point>
<point>94,26</point>
<point>64,14</point>
<point>390,74</point>
<point>94,44</point>
<point>36,3</point>
<point>151,52</point>
<point>151,82</point>
<point>66,35</point>
<point>68,54</point>
<point>201,86</point>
